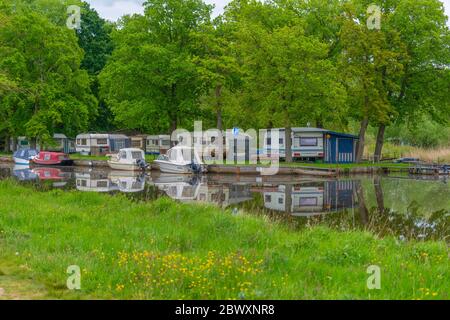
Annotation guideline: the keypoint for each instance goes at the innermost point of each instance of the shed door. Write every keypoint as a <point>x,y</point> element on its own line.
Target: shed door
<point>345,150</point>
<point>331,150</point>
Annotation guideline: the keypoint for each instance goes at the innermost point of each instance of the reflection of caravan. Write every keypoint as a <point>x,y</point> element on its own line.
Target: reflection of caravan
<point>311,199</point>
<point>94,182</point>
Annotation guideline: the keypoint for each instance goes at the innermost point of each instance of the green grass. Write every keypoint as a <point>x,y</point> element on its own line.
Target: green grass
<point>167,250</point>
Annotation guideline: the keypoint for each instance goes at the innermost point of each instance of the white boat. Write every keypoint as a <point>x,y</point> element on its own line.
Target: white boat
<point>129,159</point>
<point>24,156</point>
<point>180,159</point>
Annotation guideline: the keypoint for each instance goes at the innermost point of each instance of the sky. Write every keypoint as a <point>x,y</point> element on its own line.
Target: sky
<point>114,9</point>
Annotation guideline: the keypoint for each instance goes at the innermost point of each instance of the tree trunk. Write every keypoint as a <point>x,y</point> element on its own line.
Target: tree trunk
<point>362,138</point>
<point>219,106</point>
<point>33,143</point>
<point>7,144</point>
<point>380,141</point>
<point>319,123</point>
<point>173,127</point>
<point>14,144</point>
<point>288,138</point>
<point>288,144</point>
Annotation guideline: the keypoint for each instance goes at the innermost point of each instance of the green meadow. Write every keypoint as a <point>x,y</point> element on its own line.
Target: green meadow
<point>167,250</point>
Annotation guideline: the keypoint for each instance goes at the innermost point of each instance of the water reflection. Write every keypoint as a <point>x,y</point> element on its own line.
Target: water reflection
<point>110,181</point>
<point>408,208</point>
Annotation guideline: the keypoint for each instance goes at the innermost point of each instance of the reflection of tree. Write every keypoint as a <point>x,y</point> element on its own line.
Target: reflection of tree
<point>379,193</point>
<point>288,198</point>
<point>363,212</point>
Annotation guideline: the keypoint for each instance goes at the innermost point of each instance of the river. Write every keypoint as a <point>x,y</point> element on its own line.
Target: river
<point>407,207</point>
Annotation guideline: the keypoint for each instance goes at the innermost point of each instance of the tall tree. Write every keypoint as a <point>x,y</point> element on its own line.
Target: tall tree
<point>151,81</point>
<point>422,88</point>
<point>287,72</point>
<point>94,37</point>
<point>217,64</point>
<point>370,62</point>
<point>44,60</point>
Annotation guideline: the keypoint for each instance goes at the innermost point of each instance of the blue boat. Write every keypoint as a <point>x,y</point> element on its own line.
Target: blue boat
<point>24,156</point>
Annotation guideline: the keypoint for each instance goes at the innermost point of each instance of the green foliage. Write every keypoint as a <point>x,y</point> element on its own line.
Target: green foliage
<point>151,81</point>
<point>52,93</point>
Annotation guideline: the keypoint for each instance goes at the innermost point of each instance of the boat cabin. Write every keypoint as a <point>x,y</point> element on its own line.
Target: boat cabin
<point>183,155</point>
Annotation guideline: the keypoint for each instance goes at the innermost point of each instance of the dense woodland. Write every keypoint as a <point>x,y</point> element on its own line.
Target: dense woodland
<point>281,63</point>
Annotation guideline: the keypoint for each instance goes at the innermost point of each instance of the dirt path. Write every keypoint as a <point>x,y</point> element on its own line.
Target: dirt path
<point>17,287</point>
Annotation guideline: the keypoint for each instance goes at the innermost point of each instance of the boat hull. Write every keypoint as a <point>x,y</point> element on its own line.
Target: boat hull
<point>53,163</point>
<point>124,166</point>
<point>168,167</point>
<point>22,162</point>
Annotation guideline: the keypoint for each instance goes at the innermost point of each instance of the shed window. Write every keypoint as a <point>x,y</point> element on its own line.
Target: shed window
<point>309,142</point>
<point>136,143</point>
<point>268,198</point>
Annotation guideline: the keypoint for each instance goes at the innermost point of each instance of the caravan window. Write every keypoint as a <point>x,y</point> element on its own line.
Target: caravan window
<point>281,141</point>
<point>269,141</point>
<point>102,141</point>
<point>166,142</point>
<point>308,142</point>
<point>81,142</point>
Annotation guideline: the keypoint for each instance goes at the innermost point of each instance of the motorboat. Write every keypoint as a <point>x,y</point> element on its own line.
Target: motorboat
<point>180,159</point>
<point>24,156</point>
<point>129,159</point>
<point>46,158</point>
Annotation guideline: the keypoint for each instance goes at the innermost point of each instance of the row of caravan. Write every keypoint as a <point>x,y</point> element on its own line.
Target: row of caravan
<point>306,144</point>
<point>101,144</point>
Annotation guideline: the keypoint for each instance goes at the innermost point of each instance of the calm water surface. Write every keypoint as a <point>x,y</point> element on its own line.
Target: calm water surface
<point>403,206</point>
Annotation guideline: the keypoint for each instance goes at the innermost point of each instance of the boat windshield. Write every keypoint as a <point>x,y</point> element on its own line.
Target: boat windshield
<point>186,154</point>
<point>136,155</point>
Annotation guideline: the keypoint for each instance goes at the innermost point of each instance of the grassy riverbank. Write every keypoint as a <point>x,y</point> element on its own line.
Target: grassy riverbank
<point>166,250</point>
